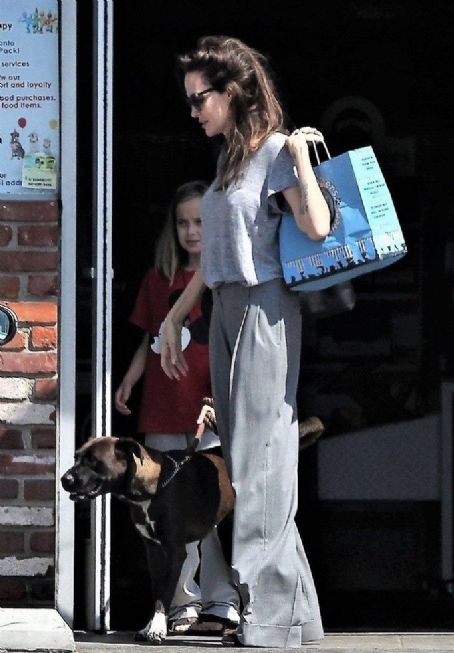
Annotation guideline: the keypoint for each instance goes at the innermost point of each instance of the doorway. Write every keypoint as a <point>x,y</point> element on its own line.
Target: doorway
<point>156,147</point>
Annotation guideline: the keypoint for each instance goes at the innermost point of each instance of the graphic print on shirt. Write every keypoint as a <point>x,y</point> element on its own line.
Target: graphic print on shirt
<point>198,329</point>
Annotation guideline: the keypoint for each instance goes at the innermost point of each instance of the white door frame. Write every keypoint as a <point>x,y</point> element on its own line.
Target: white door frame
<point>64,508</point>
<point>98,560</point>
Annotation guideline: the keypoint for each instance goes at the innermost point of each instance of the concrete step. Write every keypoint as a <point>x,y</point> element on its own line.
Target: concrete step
<point>34,629</point>
<point>333,643</point>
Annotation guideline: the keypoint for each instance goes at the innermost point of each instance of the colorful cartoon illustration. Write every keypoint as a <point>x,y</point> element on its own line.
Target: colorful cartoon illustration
<point>39,22</point>
<point>42,20</point>
<point>40,165</point>
<point>42,162</point>
<point>17,151</point>
<point>49,22</point>
<point>28,20</point>
<point>35,22</point>
<point>47,147</point>
<point>33,139</point>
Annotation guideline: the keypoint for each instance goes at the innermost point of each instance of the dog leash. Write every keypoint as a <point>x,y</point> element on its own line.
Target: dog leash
<point>177,465</point>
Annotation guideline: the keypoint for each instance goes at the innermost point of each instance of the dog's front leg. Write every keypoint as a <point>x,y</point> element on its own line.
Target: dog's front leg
<point>164,585</point>
<point>175,557</point>
<point>165,567</point>
<point>156,629</point>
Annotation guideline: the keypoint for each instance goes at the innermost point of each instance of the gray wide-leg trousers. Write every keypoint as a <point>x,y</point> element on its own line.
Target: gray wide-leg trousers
<point>255,341</point>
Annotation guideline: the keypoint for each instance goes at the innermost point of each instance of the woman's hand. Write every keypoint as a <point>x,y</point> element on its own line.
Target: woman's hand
<point>298,141</point>
<point>172,360</point>
<point>207,415</point>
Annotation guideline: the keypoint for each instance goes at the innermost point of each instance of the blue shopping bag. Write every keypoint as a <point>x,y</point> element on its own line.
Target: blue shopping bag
<point>365,235</point>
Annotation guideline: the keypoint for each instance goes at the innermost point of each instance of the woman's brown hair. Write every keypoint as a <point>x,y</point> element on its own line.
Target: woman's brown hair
<point>169,255</point>
<point>229,65</point>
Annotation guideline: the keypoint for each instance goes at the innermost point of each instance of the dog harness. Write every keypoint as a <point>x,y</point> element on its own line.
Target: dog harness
<point>177,465</point>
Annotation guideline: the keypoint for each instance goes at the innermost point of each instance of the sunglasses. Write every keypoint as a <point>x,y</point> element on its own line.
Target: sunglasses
<point>196,100</point>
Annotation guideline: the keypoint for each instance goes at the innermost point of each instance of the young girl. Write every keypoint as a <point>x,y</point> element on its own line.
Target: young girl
<point>169,410</point>
<point>255,331</point>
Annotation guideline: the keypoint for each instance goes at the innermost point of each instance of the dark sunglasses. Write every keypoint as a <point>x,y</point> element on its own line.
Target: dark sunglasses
<point>196,100</point>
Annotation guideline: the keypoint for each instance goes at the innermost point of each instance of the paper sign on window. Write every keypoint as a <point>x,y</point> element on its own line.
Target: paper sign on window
<point>29,97</point>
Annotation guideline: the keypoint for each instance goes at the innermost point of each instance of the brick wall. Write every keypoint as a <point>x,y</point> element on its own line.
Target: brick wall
<point>29,257</point>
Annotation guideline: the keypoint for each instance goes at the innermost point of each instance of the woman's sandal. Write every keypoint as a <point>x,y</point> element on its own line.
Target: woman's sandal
<point>210,624</point>
<point>231,640</point>
<point>181,624</point>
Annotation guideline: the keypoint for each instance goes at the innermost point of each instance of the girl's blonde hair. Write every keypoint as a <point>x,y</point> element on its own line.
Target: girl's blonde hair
<point>229,65</point>
<point>169,255</point>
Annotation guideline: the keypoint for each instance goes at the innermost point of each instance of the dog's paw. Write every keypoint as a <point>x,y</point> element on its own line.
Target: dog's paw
<point>154,632</point>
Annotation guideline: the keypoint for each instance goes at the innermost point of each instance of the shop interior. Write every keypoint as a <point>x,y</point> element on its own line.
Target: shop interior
<point>365,73</point>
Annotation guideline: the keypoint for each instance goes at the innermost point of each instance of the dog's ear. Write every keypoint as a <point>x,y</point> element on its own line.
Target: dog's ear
<point>128,447</point>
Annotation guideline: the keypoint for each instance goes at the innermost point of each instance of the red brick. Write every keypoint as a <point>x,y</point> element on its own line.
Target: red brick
<point>42,285</point>
<point>44,337</point>
<point>8,465</point>
<point>9,488</point>
<point>43,438</point>
<point>38,235</point>
<point>27,362</point>
<point>9,287</point>
<point>35,312</point>
<point>11,542</point>
<point>28,211</point>
<point>18,343</point>
<point>12,589</point>
<point>10,438</point>
<point>6,234</point>
<point>39,490</point>
<point>28,261</point>
<point>42,542</point>
<point>45,389</point>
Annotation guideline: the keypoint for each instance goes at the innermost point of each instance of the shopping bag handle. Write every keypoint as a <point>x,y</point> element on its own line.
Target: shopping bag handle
<point>314,145</point>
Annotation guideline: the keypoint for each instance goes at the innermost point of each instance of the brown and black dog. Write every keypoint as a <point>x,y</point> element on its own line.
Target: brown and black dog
<point>174,498</point>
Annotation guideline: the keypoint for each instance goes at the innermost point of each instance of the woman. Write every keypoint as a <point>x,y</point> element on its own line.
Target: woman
<point>255,330</point>
<point>169,411</point>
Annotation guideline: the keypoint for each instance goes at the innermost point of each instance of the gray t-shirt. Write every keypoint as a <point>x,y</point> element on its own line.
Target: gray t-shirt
<point>240,226</point>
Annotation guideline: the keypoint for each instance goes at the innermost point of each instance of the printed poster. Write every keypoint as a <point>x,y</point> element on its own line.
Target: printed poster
<point>29,97</point>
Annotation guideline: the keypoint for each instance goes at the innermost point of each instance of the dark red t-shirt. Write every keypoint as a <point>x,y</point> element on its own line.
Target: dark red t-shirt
<point>170,406</point>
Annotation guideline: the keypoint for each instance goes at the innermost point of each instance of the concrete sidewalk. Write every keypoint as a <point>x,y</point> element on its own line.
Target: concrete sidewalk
<point>333,643</point>
<point>34,629</point>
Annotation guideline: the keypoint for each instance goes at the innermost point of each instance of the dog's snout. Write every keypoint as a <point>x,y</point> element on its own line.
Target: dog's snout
<point>68,480</point>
